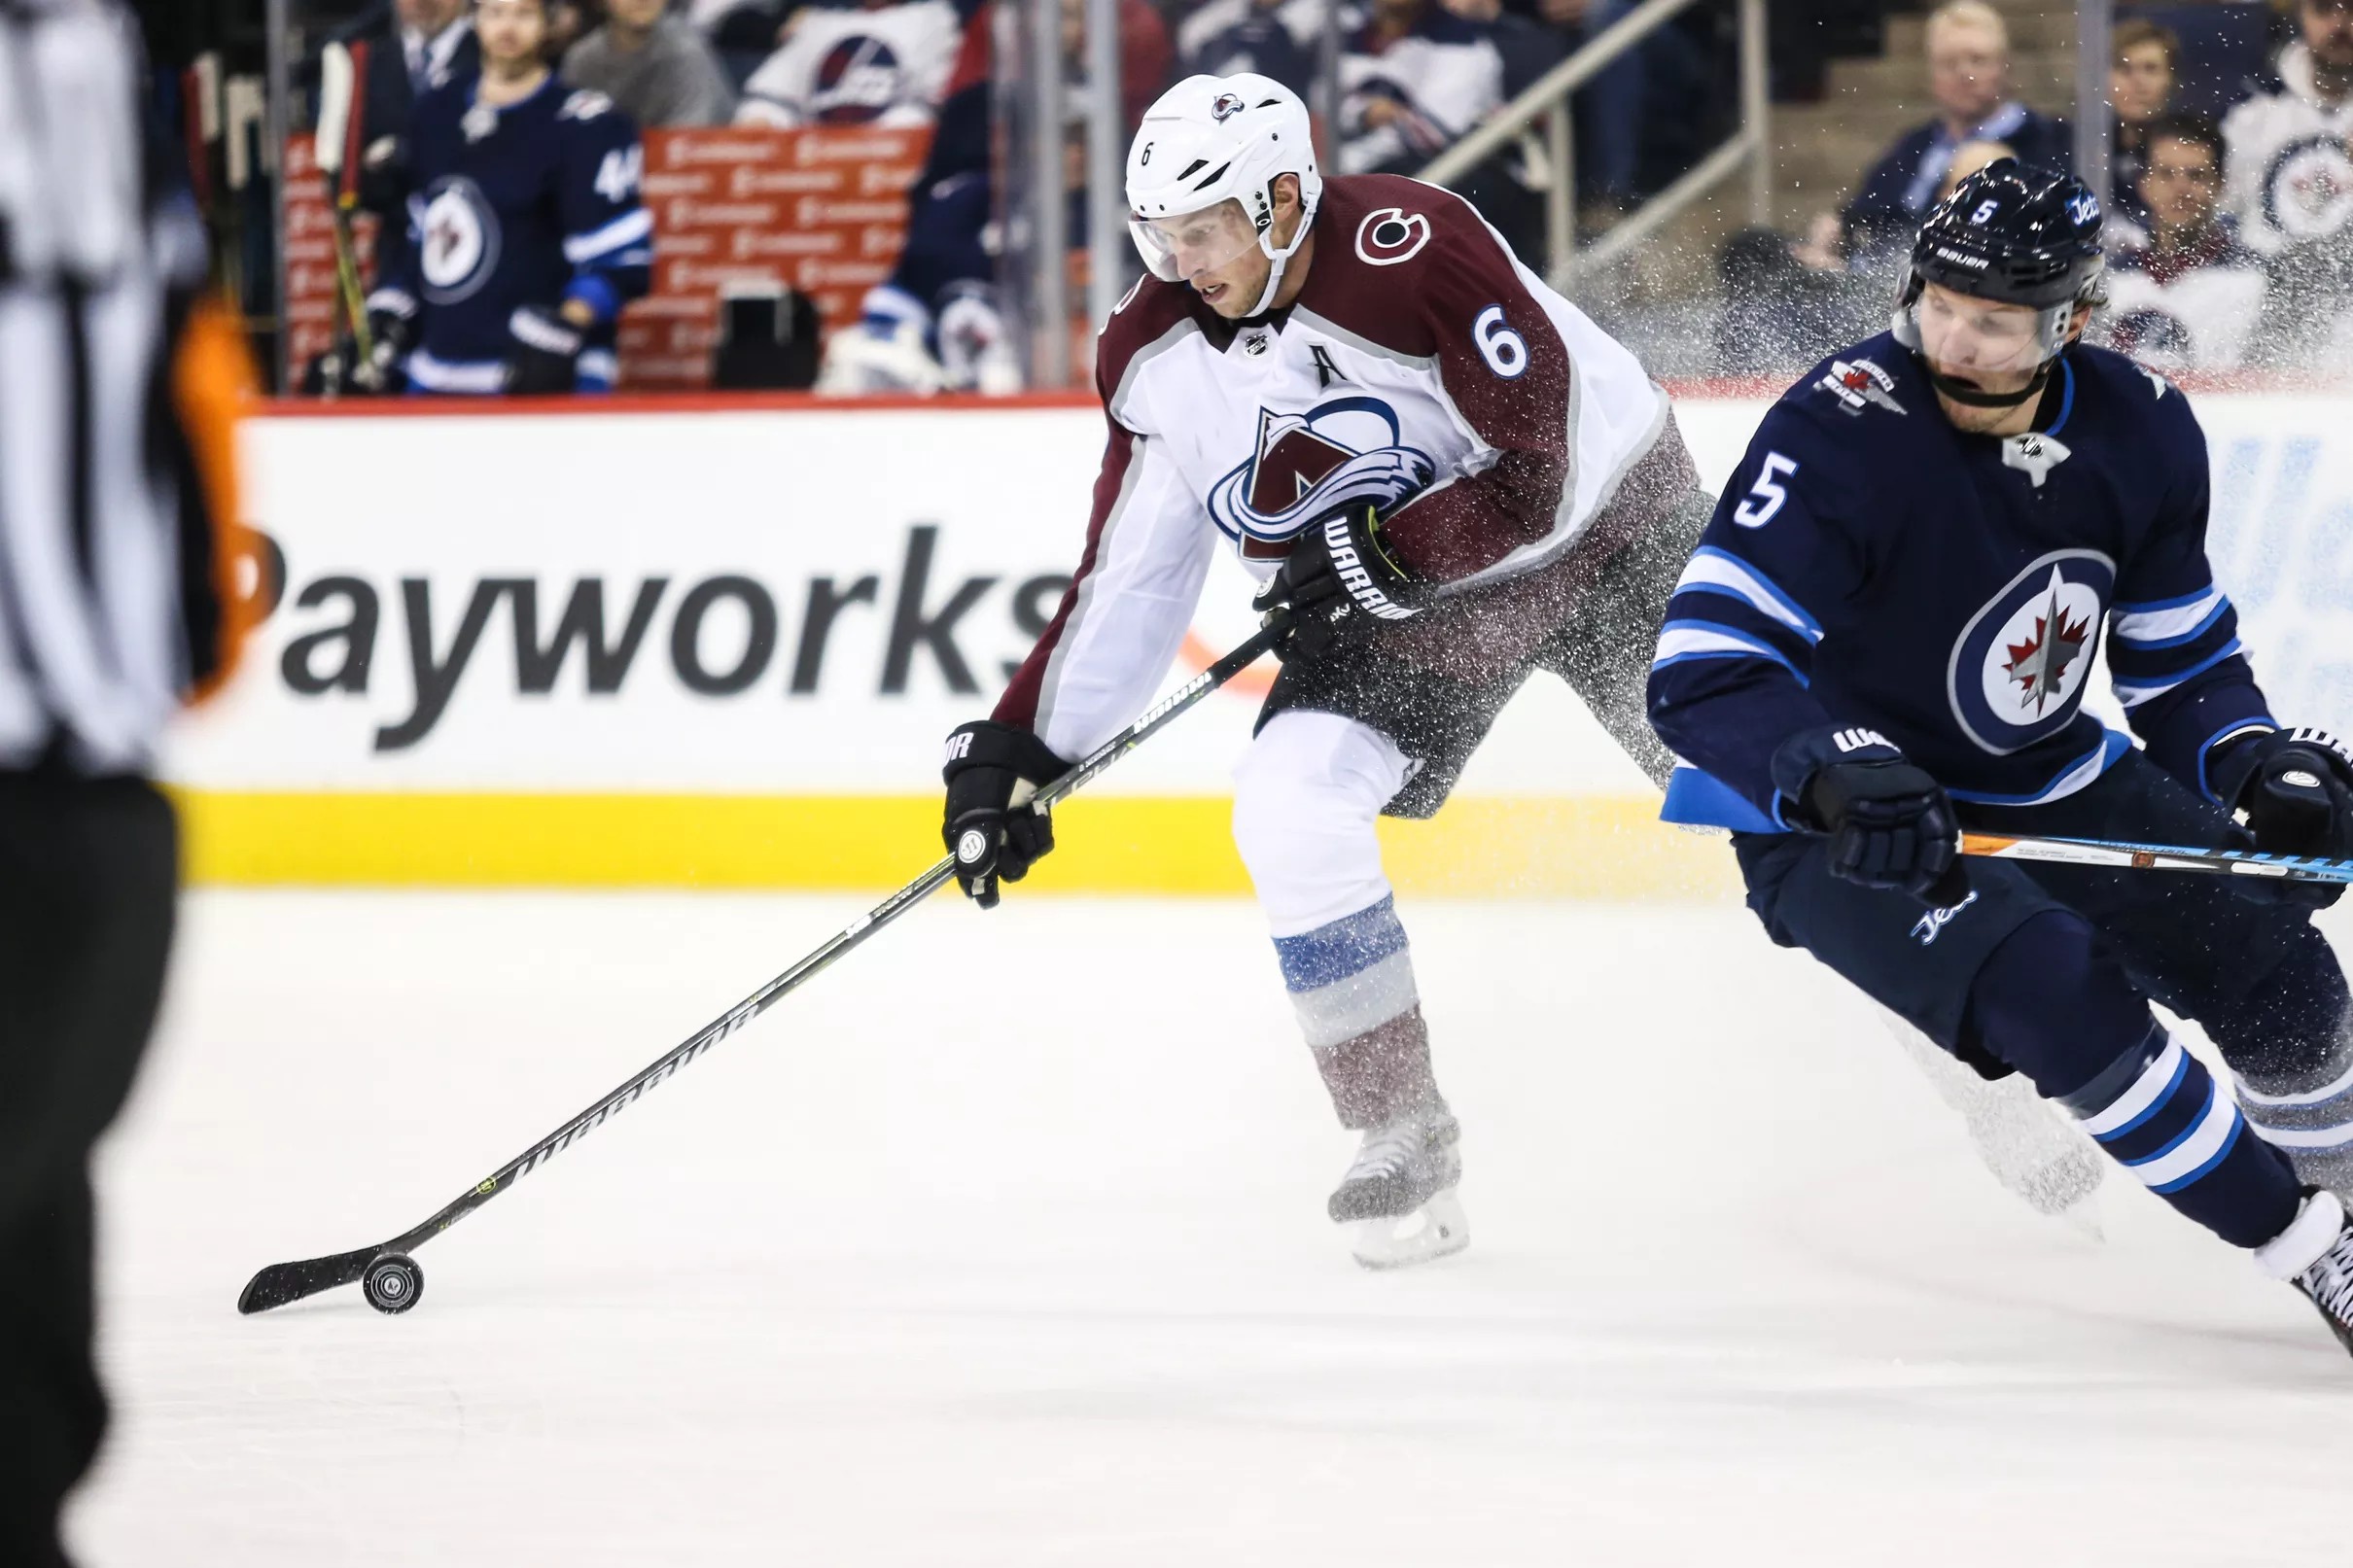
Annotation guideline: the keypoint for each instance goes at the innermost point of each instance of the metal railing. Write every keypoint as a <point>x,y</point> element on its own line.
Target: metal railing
<point>1547,100</point>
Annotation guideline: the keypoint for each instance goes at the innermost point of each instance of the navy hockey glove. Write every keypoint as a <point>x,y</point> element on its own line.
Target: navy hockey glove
<point>545,359</point>
<point>2296,788</point>
<point>1340,572</point>
<point>1889,825</point>
<point>992,771</point>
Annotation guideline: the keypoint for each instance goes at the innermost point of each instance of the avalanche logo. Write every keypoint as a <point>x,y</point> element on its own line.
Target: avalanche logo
<point>1302,465</point>
<point>2309,188</point>
<point>458,239</point>
<point>1227,106</point>
<point>2018,672</point>
<point>858,81</point>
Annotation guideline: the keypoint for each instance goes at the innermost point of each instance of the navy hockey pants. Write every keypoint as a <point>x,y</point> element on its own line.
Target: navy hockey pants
<point>2047,969</point>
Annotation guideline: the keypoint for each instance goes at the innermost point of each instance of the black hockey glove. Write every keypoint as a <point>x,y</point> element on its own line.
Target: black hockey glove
<point>990,827</point>
<point>1889,825</point>
<point>2295,786</point>
<point>1339,575</point>
<point>545,359</point>
<point>391,335</point>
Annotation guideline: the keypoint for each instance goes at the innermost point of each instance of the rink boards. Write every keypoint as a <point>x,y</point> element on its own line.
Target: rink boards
<point>718,643</point>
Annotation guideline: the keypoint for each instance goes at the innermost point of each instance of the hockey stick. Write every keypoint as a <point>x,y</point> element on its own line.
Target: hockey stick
<point>2157,857</point>
<point>339,81</point>
<point>392,1279</point>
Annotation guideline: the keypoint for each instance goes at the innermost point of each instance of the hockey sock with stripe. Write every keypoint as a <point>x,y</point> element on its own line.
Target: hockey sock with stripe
<point>2056,1006</point>
<point>1352,983</point>
<point>2308,1117</point>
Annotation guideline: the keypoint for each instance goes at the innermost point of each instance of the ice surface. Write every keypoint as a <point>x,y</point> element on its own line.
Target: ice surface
<point>1003,1243</point>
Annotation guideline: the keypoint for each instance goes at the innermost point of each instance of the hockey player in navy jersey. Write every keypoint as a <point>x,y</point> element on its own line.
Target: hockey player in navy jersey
<point>1886,636</point>
<point>525,235</point>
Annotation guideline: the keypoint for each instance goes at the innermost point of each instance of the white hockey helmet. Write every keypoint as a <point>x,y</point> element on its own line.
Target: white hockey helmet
<point>1209,140</point>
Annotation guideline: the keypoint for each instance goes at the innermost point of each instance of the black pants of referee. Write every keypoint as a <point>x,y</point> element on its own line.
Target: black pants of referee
<point>87,878</point>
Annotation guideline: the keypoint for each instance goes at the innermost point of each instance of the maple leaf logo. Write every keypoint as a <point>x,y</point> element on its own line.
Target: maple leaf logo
<point>2040,664</point>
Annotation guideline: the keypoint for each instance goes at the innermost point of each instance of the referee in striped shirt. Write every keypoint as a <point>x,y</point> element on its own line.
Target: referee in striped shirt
<point>116,391</point>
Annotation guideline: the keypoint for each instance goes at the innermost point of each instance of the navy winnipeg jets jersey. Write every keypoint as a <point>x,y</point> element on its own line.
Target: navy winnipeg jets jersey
<point>1871,566</point>
<point>513,210</point>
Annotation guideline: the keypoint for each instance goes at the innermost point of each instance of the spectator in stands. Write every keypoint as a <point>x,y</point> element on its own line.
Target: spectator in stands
<point>1609,107</point>
<point>2183,294</point>
<point>2288,177</point>
<point>1228,37</point>
<point>654,65</point>
<point>430,44</point>
<point>1412,81</point>
<point>1529,48</point>
<point>936,324</point>
<point>1969,76</point>
<point>857,64</point>
<point>2143,58</point>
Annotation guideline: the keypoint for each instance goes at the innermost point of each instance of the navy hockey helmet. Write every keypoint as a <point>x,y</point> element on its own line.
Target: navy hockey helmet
<point>2018,235</point>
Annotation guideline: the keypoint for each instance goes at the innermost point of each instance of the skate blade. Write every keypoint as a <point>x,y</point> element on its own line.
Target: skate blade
<point>1436,1230</point>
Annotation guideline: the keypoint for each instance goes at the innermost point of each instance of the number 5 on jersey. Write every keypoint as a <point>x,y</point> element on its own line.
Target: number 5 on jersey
<point>1766,495</point>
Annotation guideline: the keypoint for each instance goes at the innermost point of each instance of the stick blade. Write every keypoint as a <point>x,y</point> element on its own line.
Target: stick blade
<point>335,80</point>
<point>284,1282</point>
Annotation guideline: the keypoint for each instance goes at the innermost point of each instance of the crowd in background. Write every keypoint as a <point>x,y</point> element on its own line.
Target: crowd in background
<point>2230,188</point>
<point>2231,183</point>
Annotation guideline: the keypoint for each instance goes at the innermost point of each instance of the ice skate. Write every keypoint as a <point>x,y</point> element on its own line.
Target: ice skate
<point>1398,1200</point>
<point>2315,1255</point>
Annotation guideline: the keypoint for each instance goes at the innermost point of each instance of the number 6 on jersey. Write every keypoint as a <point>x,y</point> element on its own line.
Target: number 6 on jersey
<point>1505,350</point>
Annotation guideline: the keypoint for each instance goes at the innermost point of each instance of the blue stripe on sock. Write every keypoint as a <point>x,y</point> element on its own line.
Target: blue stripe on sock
<point>2197,1118</point>
<point>1347,946</point>
<point>2238,1125</point>
<point>2181,1071</point>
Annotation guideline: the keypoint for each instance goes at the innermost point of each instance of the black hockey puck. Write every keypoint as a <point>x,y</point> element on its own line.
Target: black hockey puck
<point>393,1282</point>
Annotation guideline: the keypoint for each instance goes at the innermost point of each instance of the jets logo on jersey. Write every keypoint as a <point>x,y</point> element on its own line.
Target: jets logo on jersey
<point>459,240</point>
<point>1303,466</point>
<point>1392,235</point>
<point>2019,668</point>
<point>858,81</point>
<point>1860,385</point>
<point>2309,188</point>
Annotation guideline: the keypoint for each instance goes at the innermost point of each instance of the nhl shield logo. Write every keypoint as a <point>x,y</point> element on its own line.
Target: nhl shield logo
<point>2019,669</point>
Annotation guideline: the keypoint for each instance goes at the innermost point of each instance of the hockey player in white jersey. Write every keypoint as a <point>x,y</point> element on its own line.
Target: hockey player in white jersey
<point>1450,474</point>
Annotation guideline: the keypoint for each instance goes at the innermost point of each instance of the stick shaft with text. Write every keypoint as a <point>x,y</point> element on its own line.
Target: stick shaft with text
<point>284,1282</point>
<point>2157,857</point>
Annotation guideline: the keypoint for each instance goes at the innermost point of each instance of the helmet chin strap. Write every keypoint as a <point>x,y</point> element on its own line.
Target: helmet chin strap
<point>1962,393</point>
<point>1279,258</point>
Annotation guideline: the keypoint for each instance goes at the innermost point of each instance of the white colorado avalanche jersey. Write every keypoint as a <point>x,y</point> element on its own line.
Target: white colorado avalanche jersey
<point>1421,369</point>
<point>882,65</point>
